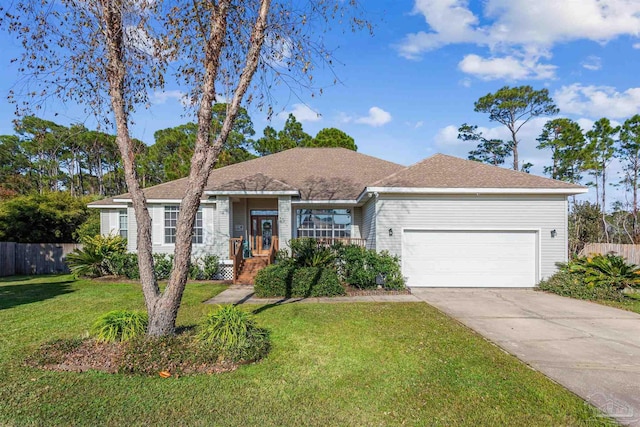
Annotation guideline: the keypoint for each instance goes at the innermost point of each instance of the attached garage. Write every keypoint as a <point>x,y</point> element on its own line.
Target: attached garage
<point>471,258</point>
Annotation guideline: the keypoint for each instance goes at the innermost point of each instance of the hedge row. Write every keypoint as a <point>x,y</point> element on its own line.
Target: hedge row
<point>286,280</point>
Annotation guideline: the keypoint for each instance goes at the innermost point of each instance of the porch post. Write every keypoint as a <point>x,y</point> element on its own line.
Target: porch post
<point>284,221</point>
<point>221,227</point>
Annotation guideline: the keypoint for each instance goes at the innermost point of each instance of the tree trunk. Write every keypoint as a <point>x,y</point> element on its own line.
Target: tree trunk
<point>162,317</point>
<point>515,148</point>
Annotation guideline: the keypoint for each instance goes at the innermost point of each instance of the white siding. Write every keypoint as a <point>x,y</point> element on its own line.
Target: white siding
<point>356,223</point>
<point>221,228</point>
<point>443,212</point>
<point>369,223</point>
<point>109,221</point>
<point>132,240</point>
<point>285,224</point>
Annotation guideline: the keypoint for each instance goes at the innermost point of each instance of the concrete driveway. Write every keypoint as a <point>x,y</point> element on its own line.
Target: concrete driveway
<point>591,349</point>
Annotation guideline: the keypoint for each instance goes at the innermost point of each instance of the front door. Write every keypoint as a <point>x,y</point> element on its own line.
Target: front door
<point>263,229</point>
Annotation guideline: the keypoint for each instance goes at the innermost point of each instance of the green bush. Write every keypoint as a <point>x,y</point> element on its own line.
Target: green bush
<point>605,270</point>
<point>43,218</point>
<point>92,259</point>
<point>204,268</point>
<point>308,252</point>
<point>315,282</point>
<point>162,265</point>
<point>177,354</point>
<point>234,335</point>
<point>125,264</point>
<point>210,265</point>
<point>568,284</point>
<point>274,281</point>
<point>119,325</point>
<point>361,267</point>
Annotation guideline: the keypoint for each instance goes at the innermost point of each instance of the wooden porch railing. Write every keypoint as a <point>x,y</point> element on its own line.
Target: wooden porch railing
<point>273,250</point>
<point>235,253</point>
<point>344,240</point>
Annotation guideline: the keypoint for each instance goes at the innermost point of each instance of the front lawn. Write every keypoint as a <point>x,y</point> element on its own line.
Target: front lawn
<point>331,364</point>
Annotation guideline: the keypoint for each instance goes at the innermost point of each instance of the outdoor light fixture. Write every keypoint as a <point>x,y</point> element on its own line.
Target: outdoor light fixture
<point>391,232</point>
<point>554,233</point>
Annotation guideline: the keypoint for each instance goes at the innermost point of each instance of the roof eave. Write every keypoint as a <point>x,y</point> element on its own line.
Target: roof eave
<point>252,193</point>
<point>98,206</point>
<point>472,190</point>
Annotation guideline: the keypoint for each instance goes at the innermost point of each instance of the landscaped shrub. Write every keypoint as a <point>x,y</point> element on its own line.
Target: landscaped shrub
<point>572,285</point>
<point>605,270</point>
<point>234,335</point>
<point>92,259</point>
<point>162,265</point>
<point>315,282</point>
<point>307,252</point>
<point>362,268</point>
<point>125,264</point>
<point>210,265</point>
<point>119,325</point>
<point>274,281</point>
<point>203,268</point>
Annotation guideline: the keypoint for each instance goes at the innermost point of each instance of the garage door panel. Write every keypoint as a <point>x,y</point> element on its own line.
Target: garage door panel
<point>470,258</point>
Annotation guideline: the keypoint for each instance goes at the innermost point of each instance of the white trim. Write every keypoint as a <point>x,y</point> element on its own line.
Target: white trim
<point>161,201</point>
<point>107,206</point>
<point>250,193</point>
<point>538,232</point>
<point>324,202</point>
<point>448,190</point>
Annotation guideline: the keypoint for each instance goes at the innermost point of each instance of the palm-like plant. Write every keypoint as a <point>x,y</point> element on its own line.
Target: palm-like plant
<point>606,270</point>
<point>91,260</point>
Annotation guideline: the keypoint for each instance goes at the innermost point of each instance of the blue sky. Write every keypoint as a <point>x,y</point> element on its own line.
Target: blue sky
<point>406,89</point>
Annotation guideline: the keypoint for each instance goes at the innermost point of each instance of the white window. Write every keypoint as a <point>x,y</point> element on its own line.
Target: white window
<point>171,223</point>
<point>123,222</point>
<point>323,223</point>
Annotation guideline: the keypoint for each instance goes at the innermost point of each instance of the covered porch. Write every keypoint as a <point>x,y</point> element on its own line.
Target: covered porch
<point>261,224</point>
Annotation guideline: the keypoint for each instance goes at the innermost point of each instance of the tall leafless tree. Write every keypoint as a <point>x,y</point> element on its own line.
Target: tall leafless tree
<point>110,54</point>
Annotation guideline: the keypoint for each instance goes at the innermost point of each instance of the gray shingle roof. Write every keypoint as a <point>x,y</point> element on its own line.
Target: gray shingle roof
<point>341,174</point>
<point>442,171</point>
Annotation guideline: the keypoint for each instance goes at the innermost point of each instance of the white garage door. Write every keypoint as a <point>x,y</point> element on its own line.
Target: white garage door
<point>470,258</point>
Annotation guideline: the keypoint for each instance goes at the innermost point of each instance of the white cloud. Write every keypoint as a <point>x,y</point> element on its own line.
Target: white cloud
<point>466,82</point>
<point>344,117</point>
<point>377,117</point>
<point>598,101</point>
<point>592,63</point>
<point>419,124</point>
<point>520,23</point>
<point>161,97</point>
<point>139,39</point>
<point>517,33</point>
<point>508,68</point>
<point>302,113</point>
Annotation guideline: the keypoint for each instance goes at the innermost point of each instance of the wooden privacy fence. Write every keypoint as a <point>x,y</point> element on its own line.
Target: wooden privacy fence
<point>630,252</point>
<point>34,258</point>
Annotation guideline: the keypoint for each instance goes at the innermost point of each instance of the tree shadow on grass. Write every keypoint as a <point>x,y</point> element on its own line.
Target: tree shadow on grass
<point>15,295</point>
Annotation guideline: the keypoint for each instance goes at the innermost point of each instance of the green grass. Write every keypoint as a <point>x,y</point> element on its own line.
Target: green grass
<point>331,364</point>
<point>627,304</point>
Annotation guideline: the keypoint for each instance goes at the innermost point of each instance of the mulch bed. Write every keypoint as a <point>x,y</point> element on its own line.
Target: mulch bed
<point>91,355</point>
<point>355,292</point>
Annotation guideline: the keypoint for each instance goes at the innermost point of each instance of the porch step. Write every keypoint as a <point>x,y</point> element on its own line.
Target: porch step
<point>250,269</point>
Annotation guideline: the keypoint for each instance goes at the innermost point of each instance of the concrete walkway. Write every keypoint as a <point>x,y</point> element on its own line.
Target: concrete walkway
<point>590,349</point>
<point>243,294</point>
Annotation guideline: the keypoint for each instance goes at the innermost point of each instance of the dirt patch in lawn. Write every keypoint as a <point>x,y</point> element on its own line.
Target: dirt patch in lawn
<point>81,355</point>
